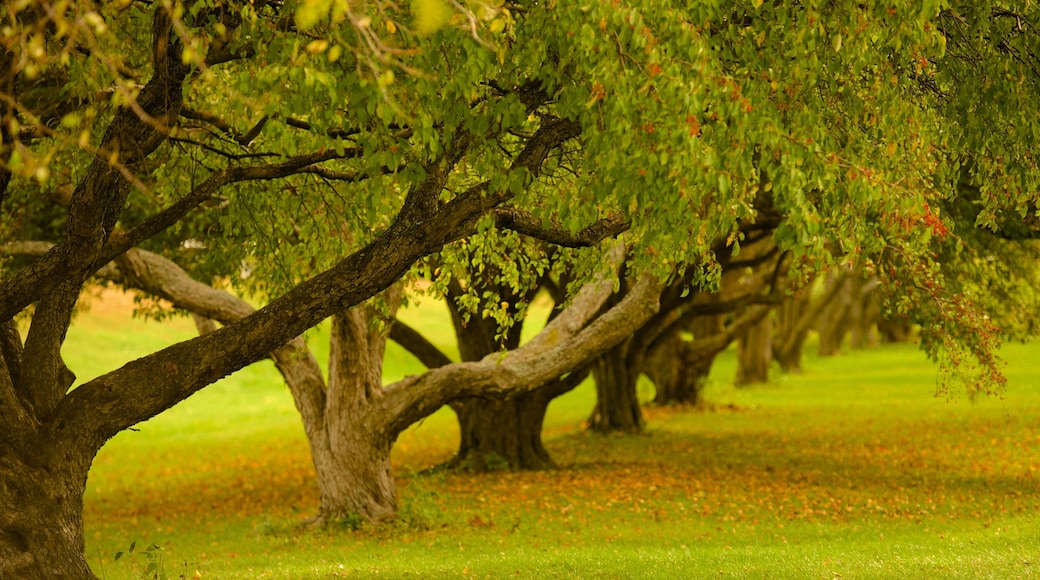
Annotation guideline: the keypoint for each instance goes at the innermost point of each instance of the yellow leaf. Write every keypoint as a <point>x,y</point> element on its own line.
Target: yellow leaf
<point>317,46</point>
<point>335,52</point>
<point>430,15</point>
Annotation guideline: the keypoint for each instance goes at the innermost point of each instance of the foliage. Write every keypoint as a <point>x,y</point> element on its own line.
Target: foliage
<point>857,123</point>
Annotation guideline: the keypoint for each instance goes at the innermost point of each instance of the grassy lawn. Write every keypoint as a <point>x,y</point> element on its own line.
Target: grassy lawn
<point>852,470</point>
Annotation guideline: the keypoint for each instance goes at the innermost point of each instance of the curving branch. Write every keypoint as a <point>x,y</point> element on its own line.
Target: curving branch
<point>572,340</point>
<point>525,223</point>
<point>415,343</point>
<point>27,284</point>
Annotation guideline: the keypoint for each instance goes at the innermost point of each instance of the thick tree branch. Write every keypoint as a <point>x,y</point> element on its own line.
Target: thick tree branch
<point>135,132</point>
<point>121,241</point>
<point>102,407</point>
<point>574,338</point>
<point>525,223</point>
<point>716,343</point>
<point>15,410</point>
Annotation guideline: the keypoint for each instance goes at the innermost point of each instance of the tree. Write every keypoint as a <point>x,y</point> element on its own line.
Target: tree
<point>505,432</point>
<point>393,133</point>
<point>658,350</point>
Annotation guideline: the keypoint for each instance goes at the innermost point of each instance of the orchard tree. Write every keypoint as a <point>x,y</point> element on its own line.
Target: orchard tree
<point>329,146</point>
<point>748,285</point>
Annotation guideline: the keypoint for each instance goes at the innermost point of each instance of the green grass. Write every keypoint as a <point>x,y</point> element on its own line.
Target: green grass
<point>853,470</point>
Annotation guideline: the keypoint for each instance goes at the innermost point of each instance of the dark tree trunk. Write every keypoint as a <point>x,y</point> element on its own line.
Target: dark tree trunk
<point>678,369</point>
<point>791,333</point>
<point>41,526</point>
<point>497,434</point>
<point>664,368</point>
<point>686,386</point>
<point>503,434</point>
<point>897,329</point>
<point>832,323</point>
<point>617,401</point>
<point>755,353</point>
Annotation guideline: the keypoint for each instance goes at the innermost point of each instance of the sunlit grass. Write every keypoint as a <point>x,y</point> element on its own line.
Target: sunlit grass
<point>853,469</point>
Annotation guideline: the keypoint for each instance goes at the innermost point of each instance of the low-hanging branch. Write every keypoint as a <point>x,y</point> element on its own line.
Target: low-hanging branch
<point>415,343</point>
<point>31,280</point>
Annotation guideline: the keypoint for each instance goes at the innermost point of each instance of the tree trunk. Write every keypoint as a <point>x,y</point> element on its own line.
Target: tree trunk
<point>497,434</point>
<point>679,370</point>
<point>791,334</point>
<point>897,329</point>
<point>863,312</point>
<point>41,526</point>
<point>503,434</point>
<point>832,323</point>
<point>755,353</point>
<point>354,478</point>
<point>617,401</point>
<point>351,446</point>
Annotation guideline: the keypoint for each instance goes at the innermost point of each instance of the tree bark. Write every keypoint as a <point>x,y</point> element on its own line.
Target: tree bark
<point>864,312</point>
<point>503,434</point>
<point>507,433</point>
<point>41,531</point>
<point>617,399</point>
<point>755,353</point>
<point>790,333</point>
<point>678,369</point>
<point>832,323</point>
<point>895,329</point>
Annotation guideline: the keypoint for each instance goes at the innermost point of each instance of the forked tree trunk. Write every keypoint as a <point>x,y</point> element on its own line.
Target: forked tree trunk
<point>617,401</point>
<point>678,369</point>
<point>41,526</point>
<point>497,434</point>
<point>351,446</point>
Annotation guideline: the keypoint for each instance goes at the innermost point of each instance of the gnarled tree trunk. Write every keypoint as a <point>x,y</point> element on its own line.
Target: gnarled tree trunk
<point>678,368</point>
<point>41,530</point>
<point>505,433</point>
